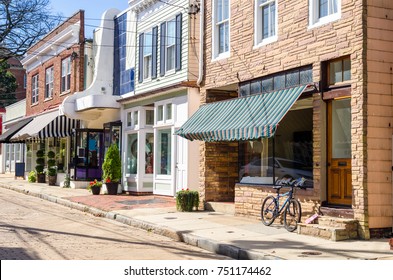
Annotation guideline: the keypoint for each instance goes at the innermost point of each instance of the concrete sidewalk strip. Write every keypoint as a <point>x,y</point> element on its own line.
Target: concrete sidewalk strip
<point>225,234</point>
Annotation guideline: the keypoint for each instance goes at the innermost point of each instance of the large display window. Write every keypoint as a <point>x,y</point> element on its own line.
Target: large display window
<point>288,154</point>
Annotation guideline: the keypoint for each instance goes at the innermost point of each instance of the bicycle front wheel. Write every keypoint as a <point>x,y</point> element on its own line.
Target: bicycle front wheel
<point>292,215</point>
<point>268,210</point>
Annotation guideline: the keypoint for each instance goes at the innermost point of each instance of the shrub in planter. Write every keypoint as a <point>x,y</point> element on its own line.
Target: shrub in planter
<point>39,168</point>
<point>186,200</point>
<point>32,177</point>
<point>111,169</point>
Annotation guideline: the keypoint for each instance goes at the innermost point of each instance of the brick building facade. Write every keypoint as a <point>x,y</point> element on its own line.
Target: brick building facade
<point>351,33</point>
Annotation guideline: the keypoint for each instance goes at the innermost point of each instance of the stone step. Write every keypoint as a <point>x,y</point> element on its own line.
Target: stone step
<point>349,224</point>
<point>327,232</point>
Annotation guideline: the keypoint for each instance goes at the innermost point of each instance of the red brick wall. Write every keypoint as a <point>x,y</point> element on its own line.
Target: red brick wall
<point>77,71</point>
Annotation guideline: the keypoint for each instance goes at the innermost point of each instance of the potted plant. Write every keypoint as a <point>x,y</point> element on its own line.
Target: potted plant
<point>52,170</point>
<point>39,168</point>
<point>111,169</point>
<point>186,200</point>
<point>95,187</point>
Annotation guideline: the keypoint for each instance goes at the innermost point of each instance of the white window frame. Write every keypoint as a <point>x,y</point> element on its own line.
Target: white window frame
<point>258,23</point>
<point>49,75</point>
<point>315,20</point>
<point>66,74</point>
<point>165,120</point>
<point>147,58</point>
<point>132,119</point>
<point>215,27</point>
<point>170,47</point>
<point>34,89</point>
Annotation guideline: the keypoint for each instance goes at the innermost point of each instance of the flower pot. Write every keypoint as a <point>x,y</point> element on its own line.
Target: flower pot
<point>112,188</point>
<point>52,180</point>
<point>95,190</point>
<point>41,178</point>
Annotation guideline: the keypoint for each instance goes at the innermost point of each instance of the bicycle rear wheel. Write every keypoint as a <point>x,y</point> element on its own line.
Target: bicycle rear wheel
<point>292,215</point>
<point>268,210</point>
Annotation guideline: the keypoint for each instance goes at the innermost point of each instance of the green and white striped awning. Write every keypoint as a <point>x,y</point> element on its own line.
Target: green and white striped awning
<point>244,118</point>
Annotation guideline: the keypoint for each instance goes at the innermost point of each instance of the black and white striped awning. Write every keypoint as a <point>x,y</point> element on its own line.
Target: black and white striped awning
<point>46,125</point>
<point>60,127</point>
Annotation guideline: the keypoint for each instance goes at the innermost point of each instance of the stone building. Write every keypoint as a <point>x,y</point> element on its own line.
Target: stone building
<point>335,59</point>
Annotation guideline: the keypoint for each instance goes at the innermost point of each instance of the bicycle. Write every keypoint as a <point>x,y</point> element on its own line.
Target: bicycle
<point>271,207</point>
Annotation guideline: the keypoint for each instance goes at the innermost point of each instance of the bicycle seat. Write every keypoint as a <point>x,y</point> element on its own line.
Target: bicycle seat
<point>277,187</point>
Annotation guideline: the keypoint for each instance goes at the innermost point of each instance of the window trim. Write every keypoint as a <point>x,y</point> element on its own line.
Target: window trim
<point>49,84</point>
<point>167,46</point>
<point>258,24</point>
<point>216,55</point>
<point>165,120</point>
<point>315,20</point>
<point>35,90</point>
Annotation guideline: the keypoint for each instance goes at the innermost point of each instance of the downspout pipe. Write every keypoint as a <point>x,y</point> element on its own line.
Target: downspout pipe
<point>201,42</point>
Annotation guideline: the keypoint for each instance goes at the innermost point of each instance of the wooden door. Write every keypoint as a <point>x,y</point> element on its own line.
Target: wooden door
<point>339,152</point>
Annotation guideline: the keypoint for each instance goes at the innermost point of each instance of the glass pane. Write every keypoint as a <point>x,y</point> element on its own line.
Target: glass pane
<point>164,152</point>
<point>168,111</point>
<point>292,78</point>
<point>294,147</point>
<point>335,74</point>
<point>160,113</point>
<point>305,76</point>
<point>170,58</point>
<point>347,69</point>
<point>245,89</point>
<point>279,81</point>
<point>149,152</point>
<point>267,85</point>
<point>149,117</point>
<point>93,149</point>
<point>147,47</point>
<point>136,118</point>
<point>323,8</point>
<point>256,87</point>
<point>265,21</point>
<point>255,161</point>
<point>341,128</point>
<point>171,32</point>
<point>219,10</point>
<point>226,37</point>
<point>225,12</point>
<point>129,119</point>
<point>132,153</point>
<point>333,6</point>
<point>221,38</point>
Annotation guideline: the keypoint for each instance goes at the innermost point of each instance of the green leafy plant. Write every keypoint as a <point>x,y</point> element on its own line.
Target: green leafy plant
<point>94,183</point>
<point>32,177</point>
<point>186,200</point>
<point>111,167</point>
<point>52,169</point>
<point>67,181</point>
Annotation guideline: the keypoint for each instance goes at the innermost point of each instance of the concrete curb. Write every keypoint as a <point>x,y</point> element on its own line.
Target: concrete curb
<point>213,246</point>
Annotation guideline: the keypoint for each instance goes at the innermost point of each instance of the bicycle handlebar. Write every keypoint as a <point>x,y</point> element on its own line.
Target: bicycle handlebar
<point>291,183</point>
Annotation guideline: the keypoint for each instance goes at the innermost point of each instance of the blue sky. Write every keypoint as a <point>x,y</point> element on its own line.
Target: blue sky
<point>93,10</point>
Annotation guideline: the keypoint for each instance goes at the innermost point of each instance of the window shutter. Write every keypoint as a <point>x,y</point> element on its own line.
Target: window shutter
<point>162,48</point>
<point>140,62</point>
<point>154,52</point>
<point>178,42</point>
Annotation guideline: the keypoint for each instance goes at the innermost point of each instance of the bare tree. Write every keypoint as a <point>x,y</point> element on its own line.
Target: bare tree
<point>22,23</point>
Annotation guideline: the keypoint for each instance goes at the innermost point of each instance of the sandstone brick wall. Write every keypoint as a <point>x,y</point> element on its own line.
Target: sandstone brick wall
<point>299,45</point>
<point>379,112</point>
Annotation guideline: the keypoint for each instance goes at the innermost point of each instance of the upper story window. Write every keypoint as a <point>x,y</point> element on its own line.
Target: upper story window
<point>147,55</point>
<point>339,71</point>
<point>170,45</point>
<point>49,73</point>
<point>265,21</point>
<point>324,11</point>
<point>24,81</point>
<point>66,74</point>
<point>34,89</point>
<point>221,28</point>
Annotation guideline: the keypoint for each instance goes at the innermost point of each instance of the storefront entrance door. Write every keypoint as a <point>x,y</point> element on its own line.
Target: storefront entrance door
<point>339,152</point>
<point>181,163</point>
